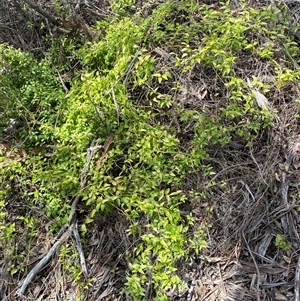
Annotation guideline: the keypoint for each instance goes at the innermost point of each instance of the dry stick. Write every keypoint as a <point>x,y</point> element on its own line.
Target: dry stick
<point>116,105</point>
<point>258,168</point>
<point>19,8</point>
<point>80,250</point>
<point>83,177</point>
<point>130,66</point>
<point>284,201</point>
<point>71,221</point>
<point>297,281</point>
<point>106,145</point>
<point>62,82</point>
<point>222,281</point>
<point>296,65</point>
<point>256,267</point>
<point>41,11</point>
<point>284,197</point>
<point>208,294</point>
<point>44,261</point>
<point>286,219</point>
<point>126,73</point>
<point>248,189</point>
<point>191,289</point>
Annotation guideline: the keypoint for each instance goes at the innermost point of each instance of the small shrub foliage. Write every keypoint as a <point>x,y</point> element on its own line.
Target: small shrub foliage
<point>143,169</point>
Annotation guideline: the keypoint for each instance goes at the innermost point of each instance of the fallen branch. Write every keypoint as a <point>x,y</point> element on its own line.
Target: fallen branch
<point>72,228</point>
<point>44,261</point>
<point>41,11</point>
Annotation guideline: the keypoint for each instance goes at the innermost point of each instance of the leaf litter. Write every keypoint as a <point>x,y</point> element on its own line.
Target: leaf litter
<point>259,200</point>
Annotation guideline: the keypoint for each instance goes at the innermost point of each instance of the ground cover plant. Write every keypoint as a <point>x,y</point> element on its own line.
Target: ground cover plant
<point>164,136</point>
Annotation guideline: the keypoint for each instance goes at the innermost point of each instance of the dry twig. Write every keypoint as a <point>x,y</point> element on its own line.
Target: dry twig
<point>191,289</point>
<point>80,250</point>
<point>116,105</point>
<point>257,269</point>
<point>44,261</point>
<point>284,201</point>
<point>72,221</point>
<point>41,11</point>
<point>297,281</point>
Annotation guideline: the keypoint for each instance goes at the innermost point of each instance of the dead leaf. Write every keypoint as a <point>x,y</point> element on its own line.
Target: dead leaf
<point>261,99</point>
<point>279,297</point>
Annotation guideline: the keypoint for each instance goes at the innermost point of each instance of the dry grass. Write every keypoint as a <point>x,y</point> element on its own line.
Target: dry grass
<point>256,198</point>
